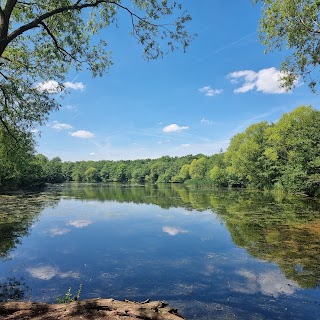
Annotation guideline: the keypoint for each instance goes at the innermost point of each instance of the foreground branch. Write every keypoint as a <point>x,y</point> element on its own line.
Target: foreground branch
<point>89,309</point>
<point>77,6</point>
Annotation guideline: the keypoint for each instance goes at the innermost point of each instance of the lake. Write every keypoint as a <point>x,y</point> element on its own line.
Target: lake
<point>213,254</point>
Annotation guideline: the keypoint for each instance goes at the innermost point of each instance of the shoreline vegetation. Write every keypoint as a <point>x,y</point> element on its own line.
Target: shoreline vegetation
<point>283,157</point>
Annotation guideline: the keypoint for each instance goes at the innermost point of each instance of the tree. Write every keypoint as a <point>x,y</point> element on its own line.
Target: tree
<point>67,170</point>
<point>219,176</point>
<point>198,168</point>
<point>295,25</point>
<point>40,41</point>
<point>120,174</point>
<point>294,150</point>
<point>245,157</point>
<point>53,170</point>
<point>92,175</point>
<point>183,174</point>
<point>13,160</point>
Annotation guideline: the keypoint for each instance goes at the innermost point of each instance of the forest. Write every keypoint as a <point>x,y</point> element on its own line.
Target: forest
<point>284,156</point>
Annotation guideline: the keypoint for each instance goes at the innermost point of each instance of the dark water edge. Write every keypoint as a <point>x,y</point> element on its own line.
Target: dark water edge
<point>214,254</point>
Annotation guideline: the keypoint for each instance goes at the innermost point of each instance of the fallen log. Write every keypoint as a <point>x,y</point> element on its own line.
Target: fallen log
<point>97,309</point>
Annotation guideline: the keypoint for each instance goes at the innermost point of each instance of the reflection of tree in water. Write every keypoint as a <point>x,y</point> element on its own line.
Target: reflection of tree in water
<point>285,232</point>
<point>17,214</point>
<point>165,195</point>
<point>282,230</point>
<point>13,289</point>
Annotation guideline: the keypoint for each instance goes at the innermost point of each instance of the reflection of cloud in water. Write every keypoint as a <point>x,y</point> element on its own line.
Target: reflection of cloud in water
<point>58,231</point>
<point>209,270</point>
<point>48,272</point>
<point>173,231</point>
<point>270,283</point>
<point>43,273</point>
<point>69,274</point>
<point>79,223</point>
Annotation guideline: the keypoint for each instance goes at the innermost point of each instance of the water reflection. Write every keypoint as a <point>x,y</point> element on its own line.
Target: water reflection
<point>285,230</point>
<point>13,289</point>
<point>17,215</point>
<point>97,234</point>
<point>49,272</point>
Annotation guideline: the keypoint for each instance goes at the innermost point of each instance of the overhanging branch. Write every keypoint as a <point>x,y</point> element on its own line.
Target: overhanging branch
<point>2,121</point>
<point>77,6</point>
<point>54,39</point>
<point>312,30</point>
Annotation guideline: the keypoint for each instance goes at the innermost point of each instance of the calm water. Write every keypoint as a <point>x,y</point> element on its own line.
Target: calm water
<point>211,254</point>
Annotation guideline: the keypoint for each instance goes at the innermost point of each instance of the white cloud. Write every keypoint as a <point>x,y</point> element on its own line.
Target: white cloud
<point>209,92</point>
<point>186,145</point>
<point>82,134</point>
<point>203,120</point>
<point>174,128</point>
<point>173,231</point>
<point>71,107</point>
<point>50,86</point>
<point>79,223</point>
<point>265,80</point>
<point>74,85</point>
<point>61,126</point>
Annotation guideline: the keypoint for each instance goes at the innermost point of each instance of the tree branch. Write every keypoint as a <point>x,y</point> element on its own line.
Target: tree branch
<point>62,50</point>
<point>1,14</point>
<point>9,7</point>
<point>8,130</point>
<point>308,28</point>
<point>34,23</point>
<point>77,6</point>
<point>3,121</point>
<point>26,3</point>
<point>4,76</point>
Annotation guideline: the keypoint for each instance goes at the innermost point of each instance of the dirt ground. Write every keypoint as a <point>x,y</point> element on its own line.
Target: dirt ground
<point>93,309</point>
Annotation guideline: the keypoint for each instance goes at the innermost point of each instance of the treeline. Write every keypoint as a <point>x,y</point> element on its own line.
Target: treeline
<point>163,170</point>
<point>283,156</point>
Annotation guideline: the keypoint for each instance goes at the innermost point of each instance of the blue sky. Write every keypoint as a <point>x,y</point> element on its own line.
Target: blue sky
<point>182,104</point>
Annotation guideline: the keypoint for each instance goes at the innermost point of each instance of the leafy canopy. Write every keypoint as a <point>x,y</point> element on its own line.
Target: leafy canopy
<point>40,41</point>
<point>294,25</point>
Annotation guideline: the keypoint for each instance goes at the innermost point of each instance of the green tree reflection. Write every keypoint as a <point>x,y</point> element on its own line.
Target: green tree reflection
<point>282,230</point>
<point>285,231</point>
<point>17,215</point>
